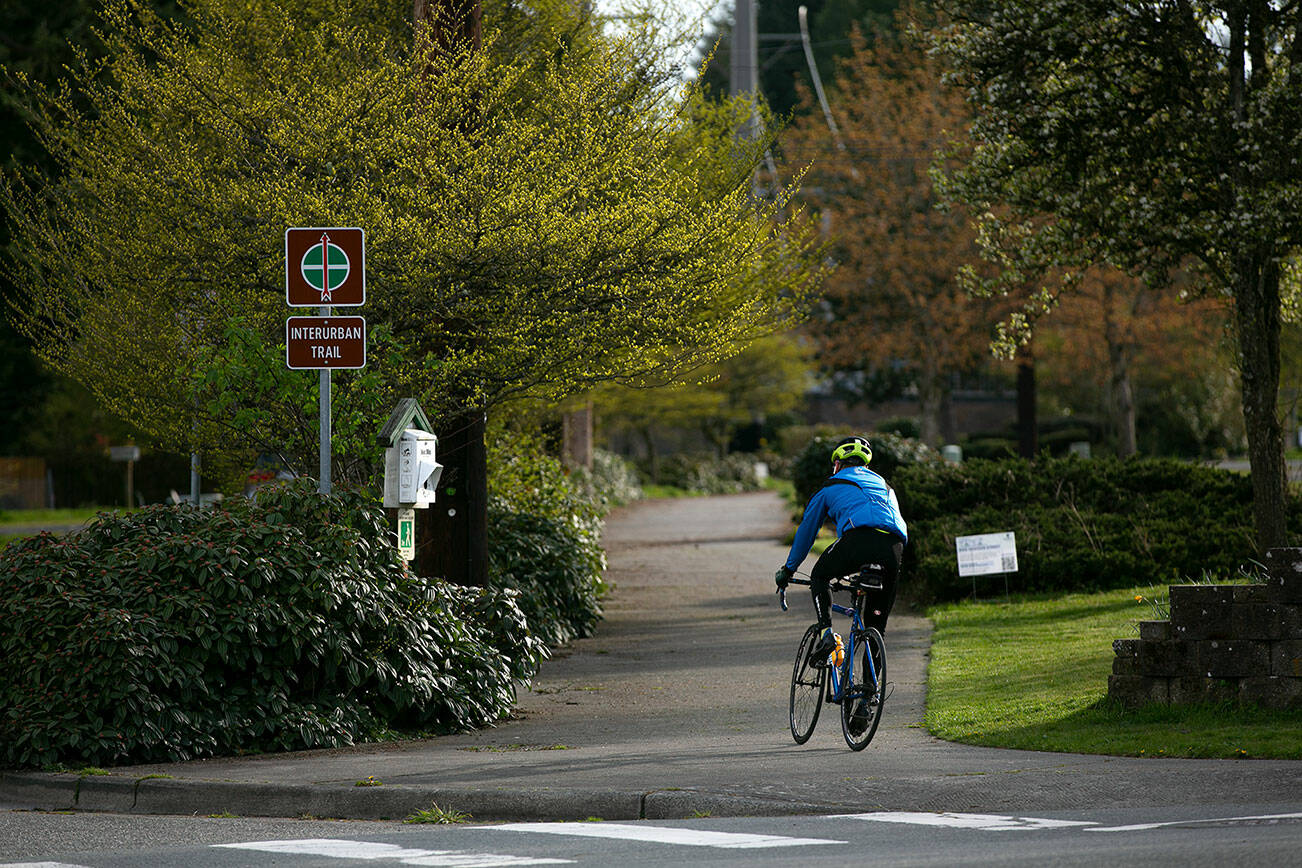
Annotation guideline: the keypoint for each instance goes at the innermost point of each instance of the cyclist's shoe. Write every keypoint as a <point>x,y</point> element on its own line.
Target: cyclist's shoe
<point>860,716</point>
<point>825,645</point>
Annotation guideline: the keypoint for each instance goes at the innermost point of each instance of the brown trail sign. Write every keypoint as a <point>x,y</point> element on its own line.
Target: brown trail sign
<point>325,342</point>
<point>325,267</point>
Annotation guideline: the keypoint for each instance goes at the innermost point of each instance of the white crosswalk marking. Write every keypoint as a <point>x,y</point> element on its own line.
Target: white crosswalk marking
<point>983,822</point>
<point>370,850</point>
<point>1144,827</point>
<point>663,835</point>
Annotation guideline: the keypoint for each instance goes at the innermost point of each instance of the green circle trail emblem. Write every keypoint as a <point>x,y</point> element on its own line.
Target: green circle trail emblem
<point>325,267</point>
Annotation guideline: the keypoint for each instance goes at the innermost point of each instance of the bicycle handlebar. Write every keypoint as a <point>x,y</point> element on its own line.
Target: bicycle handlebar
<point>837,584</point>
<point>782,592</point>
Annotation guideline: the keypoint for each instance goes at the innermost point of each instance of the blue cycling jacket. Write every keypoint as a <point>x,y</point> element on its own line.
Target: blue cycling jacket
<point>867,501</point>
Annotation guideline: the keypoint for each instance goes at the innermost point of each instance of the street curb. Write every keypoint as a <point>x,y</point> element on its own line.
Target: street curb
<point>46,791</point>
<point>682,804</point>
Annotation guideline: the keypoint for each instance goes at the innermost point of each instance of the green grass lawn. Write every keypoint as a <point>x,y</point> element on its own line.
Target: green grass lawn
<point>42,516</point>
<point>1032,673</point>
<point>11,518</point>
<point>655,492</point>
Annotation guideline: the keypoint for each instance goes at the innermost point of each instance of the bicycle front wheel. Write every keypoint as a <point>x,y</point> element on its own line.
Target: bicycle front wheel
<point>806,689</point>
<point>865,693</point>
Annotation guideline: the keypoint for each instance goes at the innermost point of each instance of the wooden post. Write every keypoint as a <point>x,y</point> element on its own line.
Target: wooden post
<point>452,535</point>
<point>1028,439</point>
<point>576,450</point>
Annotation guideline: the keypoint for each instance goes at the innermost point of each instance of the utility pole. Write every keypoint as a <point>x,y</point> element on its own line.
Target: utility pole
<point>743,72</point>
<point>744,60</point>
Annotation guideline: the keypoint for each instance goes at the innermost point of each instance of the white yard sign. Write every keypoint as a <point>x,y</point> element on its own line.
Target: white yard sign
<point>986,553</point>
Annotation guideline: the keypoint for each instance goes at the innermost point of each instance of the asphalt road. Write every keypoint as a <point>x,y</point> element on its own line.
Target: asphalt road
<point>1260,836</point>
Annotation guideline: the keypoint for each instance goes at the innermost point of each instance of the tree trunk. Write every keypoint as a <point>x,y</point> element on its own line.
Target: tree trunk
<point>652,454</point>
<point>576,438</point>
<point>1028,435</point>
<point>931,405</point>
<point>454,22</point>
<point>718,434</point>
<point>1257,315</point>
<point>1123,405</point>
<point>1121,399</point>
<point>948,416</point>
<point>452,540</point>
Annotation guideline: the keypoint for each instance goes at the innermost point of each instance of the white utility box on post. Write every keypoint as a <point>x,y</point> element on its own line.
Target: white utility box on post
<point>411,469</point>
<point>417,470</point>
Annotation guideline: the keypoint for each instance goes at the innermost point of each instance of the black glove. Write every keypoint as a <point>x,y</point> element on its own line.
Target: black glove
<point>782,577</point>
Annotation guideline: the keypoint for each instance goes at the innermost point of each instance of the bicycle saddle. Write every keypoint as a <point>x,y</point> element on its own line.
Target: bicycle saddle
<point>868,576</point>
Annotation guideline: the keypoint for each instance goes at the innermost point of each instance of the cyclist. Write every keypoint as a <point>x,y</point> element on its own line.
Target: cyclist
<point>870,530</point>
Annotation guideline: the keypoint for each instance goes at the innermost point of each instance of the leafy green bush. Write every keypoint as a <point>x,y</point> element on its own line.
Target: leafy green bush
<point>904,426</point>
<point>1081,525</point>
<point>555,566</point>
<point>613,481</point>
<point>990,448</point>
<point>277,623</point>
<point>813,464</point>
<point>710,474</point>
<point>1054,437</point>
<point>544,543</point>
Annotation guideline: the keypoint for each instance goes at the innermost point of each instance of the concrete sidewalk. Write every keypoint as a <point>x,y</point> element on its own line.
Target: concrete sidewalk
<point>676,707</point>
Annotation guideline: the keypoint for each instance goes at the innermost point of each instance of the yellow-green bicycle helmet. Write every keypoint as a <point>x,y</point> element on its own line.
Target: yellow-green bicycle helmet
<point>853,447</point>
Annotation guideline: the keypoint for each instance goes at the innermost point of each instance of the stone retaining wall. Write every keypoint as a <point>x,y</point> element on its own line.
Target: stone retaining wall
<point>1240,643</point>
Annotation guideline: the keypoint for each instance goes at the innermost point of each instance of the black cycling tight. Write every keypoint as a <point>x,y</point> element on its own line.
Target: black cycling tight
<point>859,546</point>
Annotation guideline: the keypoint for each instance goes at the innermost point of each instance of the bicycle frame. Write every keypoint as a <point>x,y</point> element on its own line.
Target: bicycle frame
<point>840,675</point>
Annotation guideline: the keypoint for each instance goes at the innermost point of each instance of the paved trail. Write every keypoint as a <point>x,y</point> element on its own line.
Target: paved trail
<point>678,704</point>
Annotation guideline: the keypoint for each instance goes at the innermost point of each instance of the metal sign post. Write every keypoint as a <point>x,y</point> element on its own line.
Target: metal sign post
<point>129,454</point>
<point>326,418</point>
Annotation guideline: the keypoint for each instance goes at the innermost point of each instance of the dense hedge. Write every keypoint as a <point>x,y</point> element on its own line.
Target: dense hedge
<point>1080,524</point>
<point>544,543</point>
<point>709,474</point>
<point>813,464</point>
<point>279,623</point>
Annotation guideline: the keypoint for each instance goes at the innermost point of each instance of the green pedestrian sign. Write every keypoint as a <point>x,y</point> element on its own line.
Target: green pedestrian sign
<point>407,534</point>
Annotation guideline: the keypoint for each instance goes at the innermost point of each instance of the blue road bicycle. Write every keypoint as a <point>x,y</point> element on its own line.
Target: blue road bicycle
<point>856,681</point>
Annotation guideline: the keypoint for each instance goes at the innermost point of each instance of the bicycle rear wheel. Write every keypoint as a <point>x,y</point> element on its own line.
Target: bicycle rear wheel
<point>806,689</point>
<point>861,706</point>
